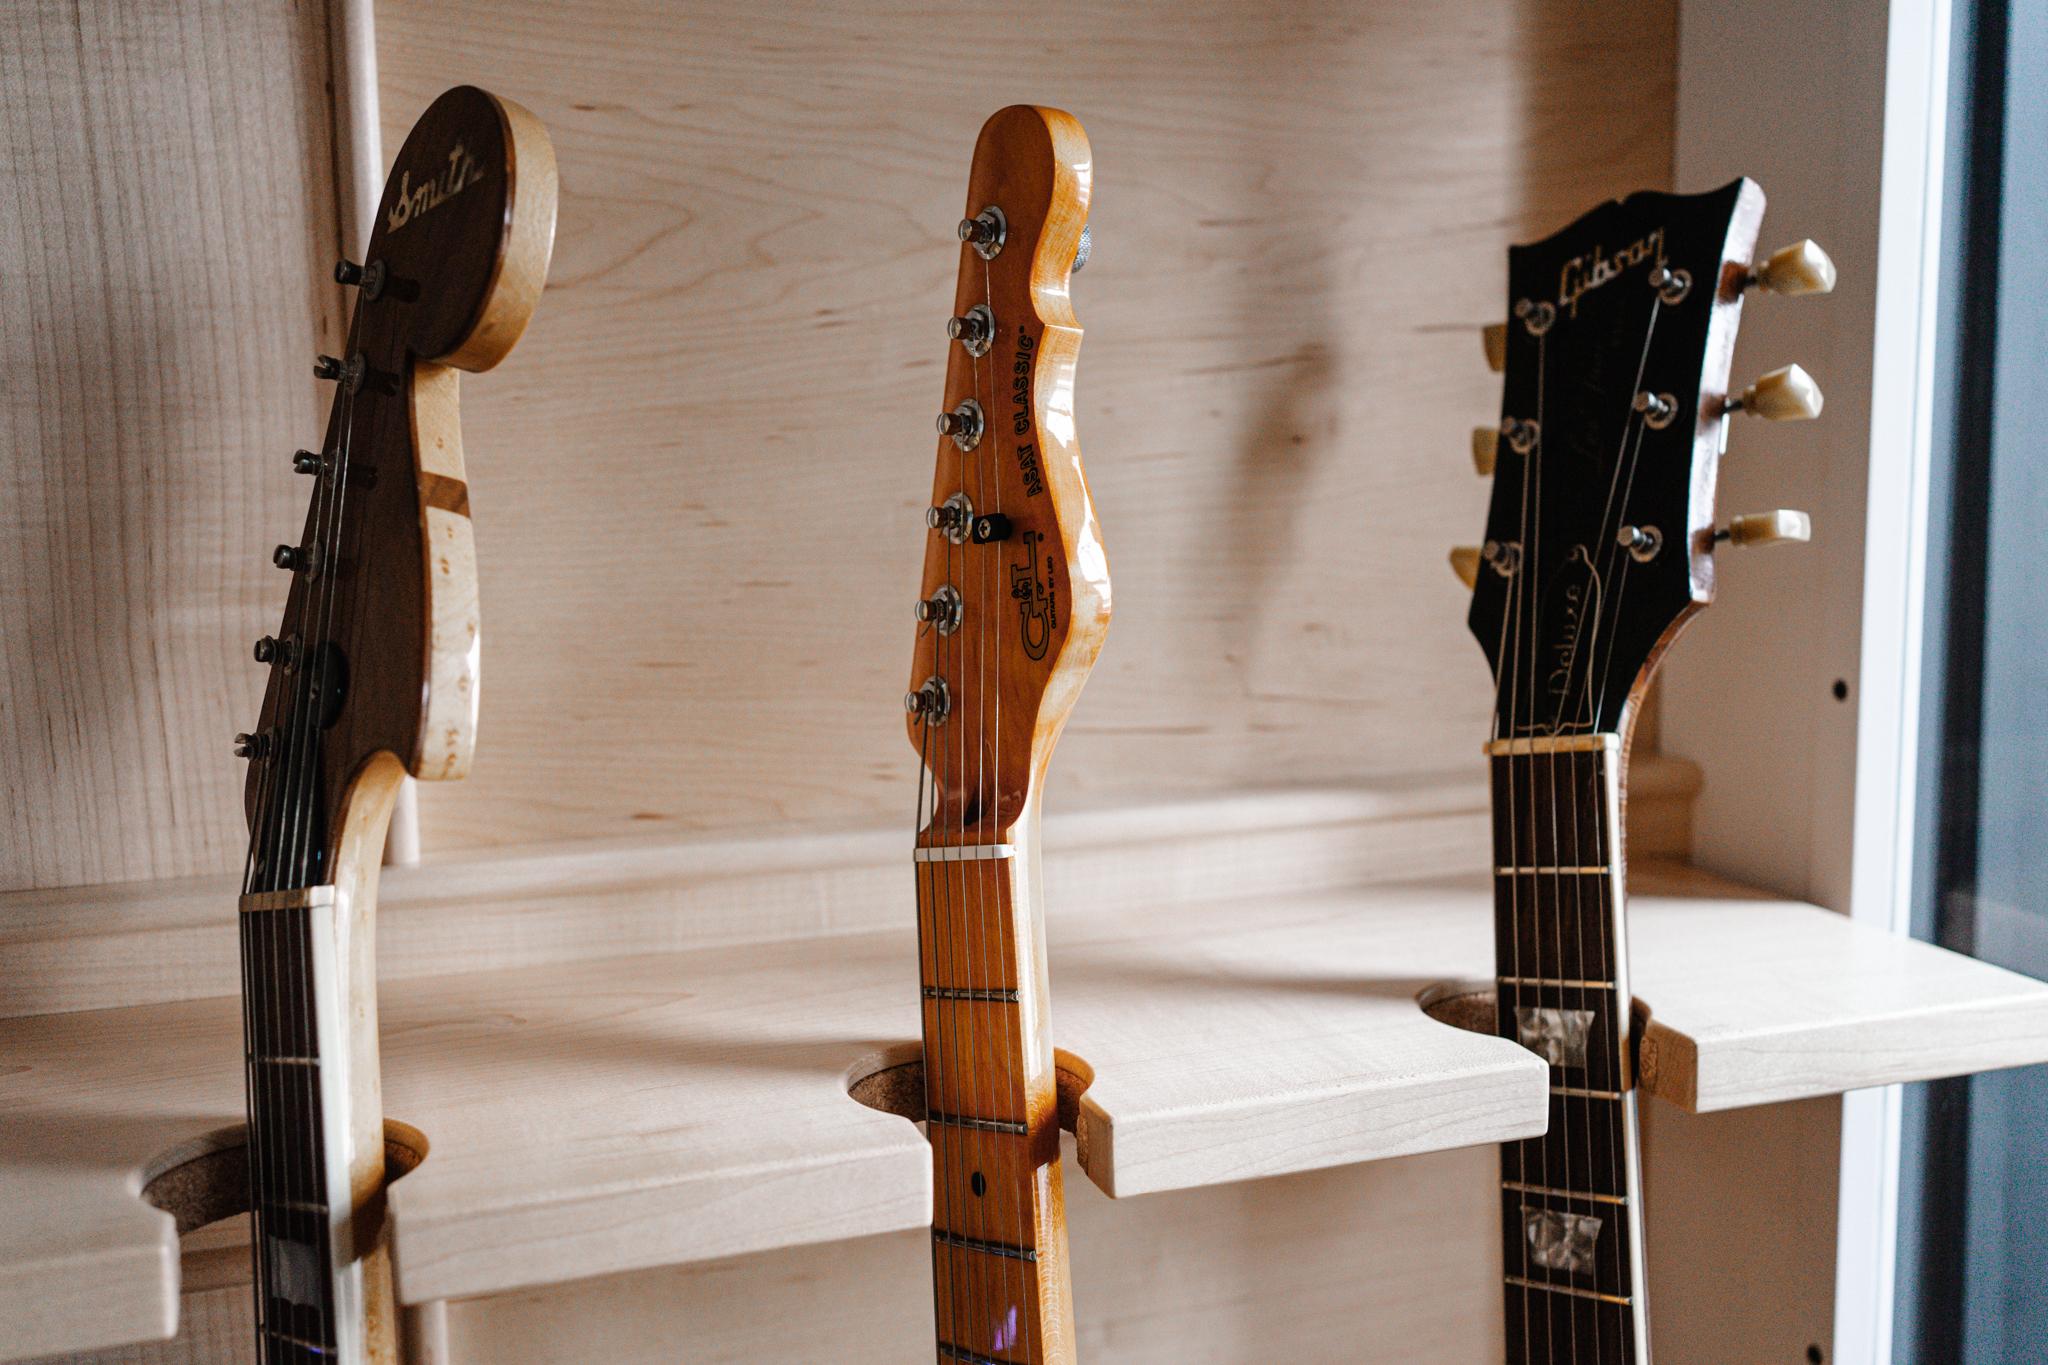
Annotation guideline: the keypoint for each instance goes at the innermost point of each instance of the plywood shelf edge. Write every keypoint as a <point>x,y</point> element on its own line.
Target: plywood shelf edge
<point>597,1115</point>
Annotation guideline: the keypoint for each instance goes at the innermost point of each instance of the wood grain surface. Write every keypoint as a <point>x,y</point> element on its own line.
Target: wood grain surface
<point>621,1114</point>
<point>170,227</point>
<point>702,481</point>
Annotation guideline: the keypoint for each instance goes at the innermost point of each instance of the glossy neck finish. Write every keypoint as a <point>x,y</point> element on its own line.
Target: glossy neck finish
<point>999,1246</point>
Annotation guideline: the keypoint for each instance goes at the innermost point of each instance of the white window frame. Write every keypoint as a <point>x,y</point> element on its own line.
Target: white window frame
<point>1845,107</point>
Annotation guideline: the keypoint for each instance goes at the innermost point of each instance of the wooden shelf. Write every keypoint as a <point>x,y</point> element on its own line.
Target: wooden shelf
<point>594,1116</point>
<point>1754,1001</point>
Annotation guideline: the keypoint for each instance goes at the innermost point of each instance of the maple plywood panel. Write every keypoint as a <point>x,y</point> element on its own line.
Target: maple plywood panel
<point>1392,1262</point>
<point>168,229</point>
<point>698,494</point>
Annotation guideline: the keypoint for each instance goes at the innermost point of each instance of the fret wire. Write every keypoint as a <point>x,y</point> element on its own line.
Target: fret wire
<point>986,1247</point>
<point>1552,1191</point>
<point>1012,1127</point>
<point>986,997</point>
<point>1571,1289</point>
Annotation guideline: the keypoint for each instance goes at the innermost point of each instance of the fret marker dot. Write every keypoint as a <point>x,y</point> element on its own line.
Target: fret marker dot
<point>980,1184</point>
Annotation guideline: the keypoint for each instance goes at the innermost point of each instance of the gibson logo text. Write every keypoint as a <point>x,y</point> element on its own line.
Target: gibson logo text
<point>1583,274</point>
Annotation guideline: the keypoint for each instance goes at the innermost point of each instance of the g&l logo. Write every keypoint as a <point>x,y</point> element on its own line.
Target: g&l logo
<point>1037,613</point>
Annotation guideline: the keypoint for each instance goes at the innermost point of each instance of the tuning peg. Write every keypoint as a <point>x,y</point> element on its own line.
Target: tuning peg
<point>1801,268</point>
<point>253,746</point>
<point>964,424</point>
<point>305,462</point>
<point>1494,337</point>
<point>986,232</point>
<point>266,649</point>
<point>1485,445</point>
<point>932,701</point>
<point>1782,527</point>
<point>974,329</point>
<point>1465,564</point>
<point>1784,395</point>
<point>942,609</point>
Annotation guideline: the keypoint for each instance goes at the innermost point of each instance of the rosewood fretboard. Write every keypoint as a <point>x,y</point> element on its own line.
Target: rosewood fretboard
<point>1571,1199</point>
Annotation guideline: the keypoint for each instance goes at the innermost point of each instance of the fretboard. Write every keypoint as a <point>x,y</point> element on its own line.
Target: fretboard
<point>1570,1199</point>
<point>288,1155</point>
<point>999,1253</point>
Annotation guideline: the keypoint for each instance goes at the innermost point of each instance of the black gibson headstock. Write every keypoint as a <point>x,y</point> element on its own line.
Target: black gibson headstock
<point>1600,538</point>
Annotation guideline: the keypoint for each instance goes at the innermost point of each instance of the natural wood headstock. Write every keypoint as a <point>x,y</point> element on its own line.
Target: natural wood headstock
<point>1015,598</point>
<point>1600,537</point>
<point>377,652</point>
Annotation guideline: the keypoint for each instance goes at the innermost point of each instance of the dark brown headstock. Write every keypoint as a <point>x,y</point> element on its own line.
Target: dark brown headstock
<point>1600,537</point>
<point>377,649</point>
<point>1016,586</point>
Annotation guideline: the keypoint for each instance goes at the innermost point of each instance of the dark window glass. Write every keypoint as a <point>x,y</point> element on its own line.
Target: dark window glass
<point>1973,1254</point>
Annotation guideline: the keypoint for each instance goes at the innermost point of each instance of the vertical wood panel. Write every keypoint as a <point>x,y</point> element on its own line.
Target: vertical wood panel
<point>167,227</point>
<point>698,486</point>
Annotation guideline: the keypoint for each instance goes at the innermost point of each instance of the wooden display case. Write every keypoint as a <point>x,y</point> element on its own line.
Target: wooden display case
<point>655,942</point>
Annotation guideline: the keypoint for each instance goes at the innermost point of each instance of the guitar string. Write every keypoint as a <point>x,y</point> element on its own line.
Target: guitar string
<point>1507,680</point>
<point>1608,540</point>
<point>1531,563</point>
<point>1616,508</point>
<point>254,1132</point>
<point>255,1013</point>
<point>313,835</point>
<point>300,836</point>
<point>969,1088</point>
<point>1029,1273</point>
<point>928,934</point>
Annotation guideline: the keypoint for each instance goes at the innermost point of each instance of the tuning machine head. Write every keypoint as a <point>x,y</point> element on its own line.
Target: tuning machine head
<point>1787,394</point>
<point>1465,564</point>
<point>1493,337</point>
<point>1781,527</point>
<point>1485,448</point>
<point>1801,268</point>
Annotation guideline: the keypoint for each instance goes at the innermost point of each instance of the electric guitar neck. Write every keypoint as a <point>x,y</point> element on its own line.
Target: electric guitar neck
<point>1600,544</point>
<point>373,675</point>
<point>1014,606</point>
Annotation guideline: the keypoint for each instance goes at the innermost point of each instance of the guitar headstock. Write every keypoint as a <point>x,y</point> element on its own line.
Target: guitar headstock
<point>1600,538</point>
<point>1015,597</point>
<point>378,648</point>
